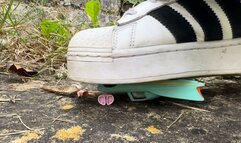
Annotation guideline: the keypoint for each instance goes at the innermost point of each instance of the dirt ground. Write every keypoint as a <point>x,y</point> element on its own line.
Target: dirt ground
<point>39,116</point>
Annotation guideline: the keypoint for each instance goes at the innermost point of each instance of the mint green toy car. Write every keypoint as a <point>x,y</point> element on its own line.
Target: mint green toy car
<point>178,89</point>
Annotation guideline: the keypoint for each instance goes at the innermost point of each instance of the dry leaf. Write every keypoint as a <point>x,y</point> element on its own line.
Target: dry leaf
<point>73,133</point>
<point>67,90</point>
<point>26,86</point>
<point>28,137</point>
<point>153,130</point>
<point>22,71</point>
<point>68,107</point>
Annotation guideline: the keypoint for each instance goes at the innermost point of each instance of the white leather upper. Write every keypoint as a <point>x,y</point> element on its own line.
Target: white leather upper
<point>225,24</point>
<point>196,26</point>
<point>123,35</point>
<point>145,32</point>
<point>135,29</point>
<point>141,10</point>
<point>93,38</point>
<point>149,32</point>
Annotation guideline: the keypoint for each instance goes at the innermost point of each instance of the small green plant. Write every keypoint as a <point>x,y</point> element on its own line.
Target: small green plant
<point>55,31</point>
<point>5,12</point>
<point>11,18</point>
<point>92,8</point>
<point>43,2</point>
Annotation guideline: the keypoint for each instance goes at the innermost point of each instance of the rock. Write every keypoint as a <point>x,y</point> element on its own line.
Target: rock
<point>112,6</point>
<point>3,42</point>
<point>67,2</point>
<point>76,18</point>
<point>73,10</point>
<point>109,10</point>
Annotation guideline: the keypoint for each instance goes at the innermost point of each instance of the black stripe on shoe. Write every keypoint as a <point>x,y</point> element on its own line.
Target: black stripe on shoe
<point>232,8</point>
<point>180,28</point>
<point>205,17</point>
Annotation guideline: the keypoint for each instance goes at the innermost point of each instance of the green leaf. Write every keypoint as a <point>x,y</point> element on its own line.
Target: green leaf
<point>92,8</point>
<point>55,31</point>
<point>6,11</point>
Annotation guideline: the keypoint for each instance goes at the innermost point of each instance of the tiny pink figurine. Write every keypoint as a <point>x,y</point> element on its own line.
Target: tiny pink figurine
<point>106,99</point>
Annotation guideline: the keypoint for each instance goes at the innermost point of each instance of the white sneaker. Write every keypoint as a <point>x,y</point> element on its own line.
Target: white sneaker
<point>159,40</point>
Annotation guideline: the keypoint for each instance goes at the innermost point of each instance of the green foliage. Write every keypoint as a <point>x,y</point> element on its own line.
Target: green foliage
<point>92,8</point>
<point>5,13</point>
<point>10,18</point>
<point>55,31</point>
<point>43,2</point>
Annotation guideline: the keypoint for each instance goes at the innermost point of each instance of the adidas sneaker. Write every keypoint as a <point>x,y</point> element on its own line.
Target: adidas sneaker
<point>159,40</point>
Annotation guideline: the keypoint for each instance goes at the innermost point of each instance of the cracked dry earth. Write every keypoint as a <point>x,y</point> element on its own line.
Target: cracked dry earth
<point>39,116</point>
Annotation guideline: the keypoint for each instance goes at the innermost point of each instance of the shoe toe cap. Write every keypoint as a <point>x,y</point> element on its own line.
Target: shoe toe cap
<point>93,38</point>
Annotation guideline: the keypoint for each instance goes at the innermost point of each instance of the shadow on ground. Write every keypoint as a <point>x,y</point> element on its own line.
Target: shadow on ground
<point>84,120</point>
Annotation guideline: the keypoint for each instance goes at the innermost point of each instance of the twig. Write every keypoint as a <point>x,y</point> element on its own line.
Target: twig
<point>14,133</point>
<point>5,73</point>
<point>58,119</point>
<point>10,100</point>
<point>54,100</point>
<point>68,121</point>
<point>189,107</point>
<point>19,132</point>
<point>60,97</point>
<point>176,119</point>
<point>25,124</point>
<point>7,115</point>
<point>20,119</point>
<point>13,98</point>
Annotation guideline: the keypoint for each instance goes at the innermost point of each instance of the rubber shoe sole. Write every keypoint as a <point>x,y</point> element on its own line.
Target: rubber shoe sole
<point>155,62</point>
